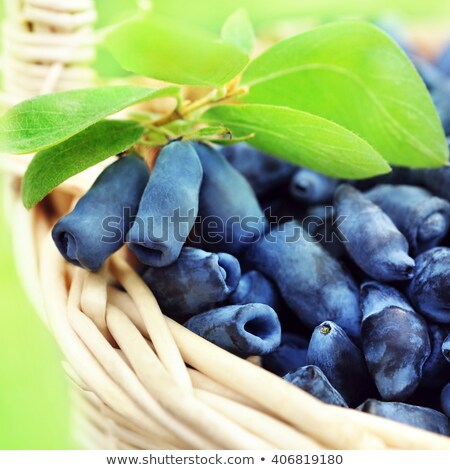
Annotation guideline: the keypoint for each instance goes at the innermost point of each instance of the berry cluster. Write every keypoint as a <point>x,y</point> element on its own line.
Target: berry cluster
<point>343,288</point>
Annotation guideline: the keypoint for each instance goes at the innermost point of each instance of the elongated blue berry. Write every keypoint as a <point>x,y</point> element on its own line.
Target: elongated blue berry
<point>289,356</point>
<point>312,283</point>
<point>445,399</point>
<point>196,282</point>
<point>231,216</point>
<point>264,172</point>
<point>341,361</point>
<point>443,62</point>
<point>312,380</point>
<point>254,287</point>
<point>429,290</point>
<point>436,370</point>
<point>417,416</point>
<point>437,181</point>
<point>395,341</point>
<point>446,348</point>
<point>244,330</point>
<point>422,218</point>
<point>372,240</point>
<point>398,175</point>
<point>311,187</point>
<point>441,97</point>
<point>168,207</point>
<point>98,225</point>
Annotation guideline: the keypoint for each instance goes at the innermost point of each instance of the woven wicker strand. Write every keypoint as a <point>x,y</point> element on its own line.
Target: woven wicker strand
<point>48,46</point>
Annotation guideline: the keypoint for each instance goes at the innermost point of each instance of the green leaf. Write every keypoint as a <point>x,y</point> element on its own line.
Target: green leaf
<point>238,30</point>
<point>172,51</point>
<point>47,120</point>
<point>53,166</point>
<point>301,138</point>
<point>355,75</point>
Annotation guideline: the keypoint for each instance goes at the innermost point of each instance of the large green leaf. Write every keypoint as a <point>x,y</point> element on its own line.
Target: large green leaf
<point>44,121</point>
<point>238,30</point>
<point>355,75</point>
<point>172,51</point>
<point>301,138</point>
<point>49,168</point>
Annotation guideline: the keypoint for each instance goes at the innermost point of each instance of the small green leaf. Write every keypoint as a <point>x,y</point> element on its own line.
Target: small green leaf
<point>353,74</point>
<point>169,50</point>
<point>238,30</point>
<point>51,167</point>
<point>45,121</point>
<point>301,138</point>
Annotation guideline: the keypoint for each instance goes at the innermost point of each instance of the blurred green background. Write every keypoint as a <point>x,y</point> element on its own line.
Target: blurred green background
<point>34,405</point>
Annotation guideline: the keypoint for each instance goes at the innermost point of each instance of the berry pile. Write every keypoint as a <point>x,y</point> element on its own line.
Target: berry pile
<point>343,288</point>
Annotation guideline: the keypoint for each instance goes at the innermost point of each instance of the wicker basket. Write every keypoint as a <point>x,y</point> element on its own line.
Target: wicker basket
<point>140,380</point>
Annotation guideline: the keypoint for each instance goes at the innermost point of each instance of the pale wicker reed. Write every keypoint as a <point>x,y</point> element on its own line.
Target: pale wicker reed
<point>142,381</point>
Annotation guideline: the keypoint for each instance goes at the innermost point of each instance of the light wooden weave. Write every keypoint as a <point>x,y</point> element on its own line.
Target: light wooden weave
<point>140,380</point>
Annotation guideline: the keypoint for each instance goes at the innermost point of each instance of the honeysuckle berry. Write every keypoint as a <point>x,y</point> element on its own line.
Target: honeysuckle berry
<point>196,282</point>
<point>446,348</point>
<point>417,416</point>
<point>395,341</point>
<point>429,290</point>
<point>312,283</point>
<point>371,238</point>
<point>436,370</point>
<point>244,330</point>
<point>445,399</point>
<point>310,187</point>
<point>437,181</point>
<point>264,172</point>
<point>398,175</point>
<point>290,355</point>
<point>441,97</point>
<point>312,380</point>
<point>443,62</point>
<point>169,206</point>
<point>231,218</point>
<point>98,225</point>
<point>423,219</point>
<point>254,287</point>
<point>341,361</point>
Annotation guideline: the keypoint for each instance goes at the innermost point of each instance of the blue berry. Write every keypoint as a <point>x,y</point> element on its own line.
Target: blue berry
<point>422,218</point>
<point>418,416</point>
<point>437,180</point>
<point>168,207</point>
<point>231,216</point>
<point>429,290</point>
<point>264,172</point>
<point>443,62</point>
<point>98,225</point>
<point>312,283</point>
<point>310,187</point>
<point>312,380</point>
<point>196,282</point>
<point>372,240</point>
<point>395,341</point>
<point>341,361</point>
<point>398,175</point>
<point>445,399</point>
<point>436,370</point>
<point>244,330</point>
<point>441,99</point>
<point>290,355</point>
<point>446,348</point>
<point>254,287</point>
